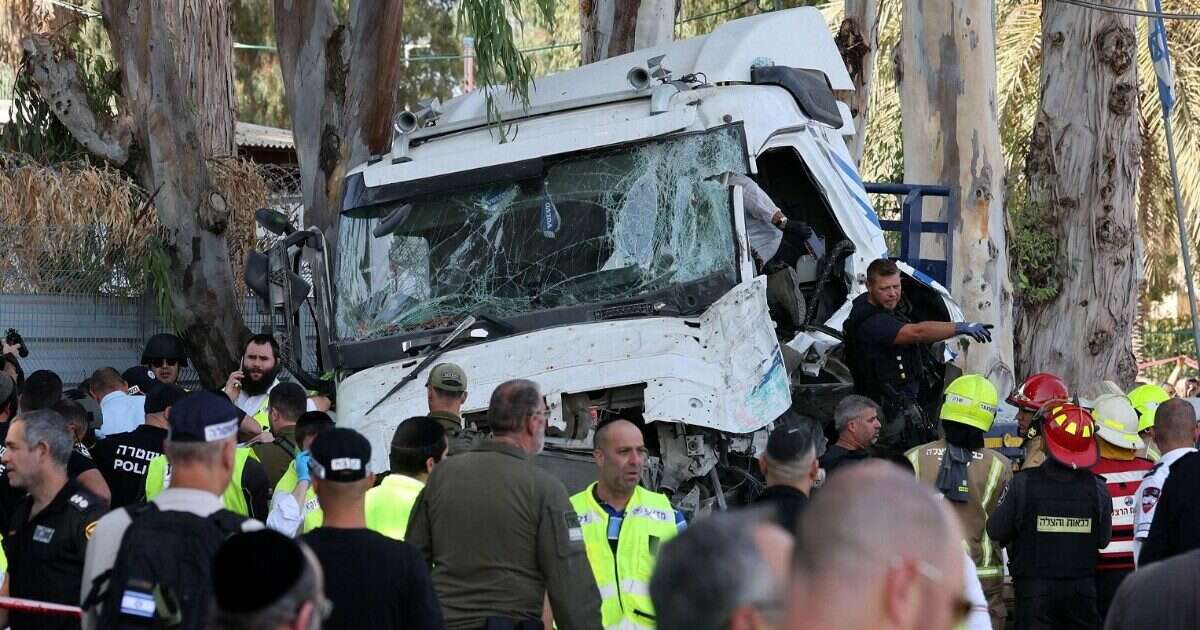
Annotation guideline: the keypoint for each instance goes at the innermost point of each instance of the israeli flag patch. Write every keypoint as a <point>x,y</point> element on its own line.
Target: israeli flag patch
<point>137,604</point>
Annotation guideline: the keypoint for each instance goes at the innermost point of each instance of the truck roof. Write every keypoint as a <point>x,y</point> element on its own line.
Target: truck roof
<point>797,38</point>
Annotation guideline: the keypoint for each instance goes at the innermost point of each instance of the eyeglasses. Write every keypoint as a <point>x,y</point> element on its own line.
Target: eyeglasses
<point>161,362</point>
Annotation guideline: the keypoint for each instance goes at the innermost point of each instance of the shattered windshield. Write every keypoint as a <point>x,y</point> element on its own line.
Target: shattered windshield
<point>605,226</point>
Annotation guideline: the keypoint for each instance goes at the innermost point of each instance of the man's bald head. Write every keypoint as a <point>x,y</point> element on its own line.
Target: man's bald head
<point>868,514</point>
<point>620,453</point>
<point>1174,425</point>
<point>620,426</point>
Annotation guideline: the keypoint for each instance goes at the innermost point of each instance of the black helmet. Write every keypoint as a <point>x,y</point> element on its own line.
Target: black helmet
<point>164,346</point>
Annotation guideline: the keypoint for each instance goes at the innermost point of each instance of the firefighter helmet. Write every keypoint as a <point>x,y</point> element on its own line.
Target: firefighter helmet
<point>1069,433</point>
<point>1116,421</point>
<point>1037,390</point>
<point>971,400</point>
<point>1145,400</point>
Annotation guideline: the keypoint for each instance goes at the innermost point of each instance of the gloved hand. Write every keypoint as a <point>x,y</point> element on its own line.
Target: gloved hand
<point>981,333</point>
<point>302,472</point>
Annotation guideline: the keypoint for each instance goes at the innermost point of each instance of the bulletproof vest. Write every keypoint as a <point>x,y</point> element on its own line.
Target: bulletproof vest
<point>875,365</point>
<point>1057,527</point>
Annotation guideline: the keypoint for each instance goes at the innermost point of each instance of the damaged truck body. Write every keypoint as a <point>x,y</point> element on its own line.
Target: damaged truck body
<point>598,245</point>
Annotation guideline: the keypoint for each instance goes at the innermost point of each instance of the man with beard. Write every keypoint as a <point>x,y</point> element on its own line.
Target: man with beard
<point>249,388</point>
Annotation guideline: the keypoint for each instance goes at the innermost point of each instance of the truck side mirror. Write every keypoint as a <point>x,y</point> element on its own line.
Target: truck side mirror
<point>274,221</point>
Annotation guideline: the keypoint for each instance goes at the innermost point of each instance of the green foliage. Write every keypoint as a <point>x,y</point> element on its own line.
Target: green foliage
<point>498,60</point>
<point>429,26</point>
<point>258,80</point>
<point>1034,263</point>
<point>157,267</point>
<point>1164,339</point>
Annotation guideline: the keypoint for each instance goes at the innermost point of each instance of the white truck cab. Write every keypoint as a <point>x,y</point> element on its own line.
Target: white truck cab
<point>598,249</point>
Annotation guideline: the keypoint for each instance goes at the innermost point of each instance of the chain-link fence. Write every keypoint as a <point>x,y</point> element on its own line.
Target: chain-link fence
<point>81,304</point>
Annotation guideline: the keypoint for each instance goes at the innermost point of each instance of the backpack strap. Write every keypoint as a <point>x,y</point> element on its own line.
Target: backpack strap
<point>227,521</point>
<point>98,590</point>
<point>287,446</point>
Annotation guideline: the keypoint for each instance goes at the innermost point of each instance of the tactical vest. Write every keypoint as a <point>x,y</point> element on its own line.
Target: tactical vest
<point>875,365</point>
<point>985,474</point>
<point>158,478</point>
<point>624,580</point>
<point>314,516</point>
<point>1057,535</point>
<point>389,505</point>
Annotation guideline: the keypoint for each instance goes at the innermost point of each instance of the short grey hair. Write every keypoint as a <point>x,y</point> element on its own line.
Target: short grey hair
<point>709,571</point>
<point>46,426</point>
<point>850,408</point>
<point>283,611</point>
<point>511,404</point>
<point>193,452</point>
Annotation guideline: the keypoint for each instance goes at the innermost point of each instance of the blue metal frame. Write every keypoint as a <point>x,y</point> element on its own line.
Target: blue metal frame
<point>911,226</point>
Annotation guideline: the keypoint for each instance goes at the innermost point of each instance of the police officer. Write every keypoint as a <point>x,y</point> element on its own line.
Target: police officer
<point>124,458</point>
<point>1053,519</point>
<point>623,525</point>
<point>248,492</point>
<point>51,528</point>
<point>884,349</point>
<point>1122,471</point>
<point>1176,431</point>
<point>501,533</point>
<point>165,355</point>
<point>1033,394</point>
<point>417,446</point>
<point>446,391</point>
<point>970,476</point>
<point>1146,400</point>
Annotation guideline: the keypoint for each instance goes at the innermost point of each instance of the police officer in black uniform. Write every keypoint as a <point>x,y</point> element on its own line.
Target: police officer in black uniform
<point>123,458</point>
<point>1053,519</point>
<point>48,536</point>
<point>165,355</point>
<point>884,351</point>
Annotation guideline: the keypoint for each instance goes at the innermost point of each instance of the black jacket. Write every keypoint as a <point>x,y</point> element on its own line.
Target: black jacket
<point>1176,527</point>
<point>788,503</point>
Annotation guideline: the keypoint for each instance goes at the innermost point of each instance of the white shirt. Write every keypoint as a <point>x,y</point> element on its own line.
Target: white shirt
<point>121,413</point>
<point>978,618</point>
<point>1148,494</point>
<point>110,529</point>
<point>254,404</point>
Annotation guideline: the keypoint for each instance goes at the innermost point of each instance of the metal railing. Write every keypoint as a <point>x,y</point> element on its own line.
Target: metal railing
<point>912,225</point>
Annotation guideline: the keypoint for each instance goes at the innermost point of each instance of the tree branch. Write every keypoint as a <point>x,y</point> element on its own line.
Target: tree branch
<point>58,81</point>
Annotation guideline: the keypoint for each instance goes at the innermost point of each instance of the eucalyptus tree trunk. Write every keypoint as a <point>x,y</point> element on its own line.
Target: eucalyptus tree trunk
<point>609,28</point>
<point>952,137</point>
<point>174,59</point>
<point>1082,168</point>
<point>858,41</point>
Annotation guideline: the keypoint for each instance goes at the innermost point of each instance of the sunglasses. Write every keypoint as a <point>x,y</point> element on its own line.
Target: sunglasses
<point>163,362</point>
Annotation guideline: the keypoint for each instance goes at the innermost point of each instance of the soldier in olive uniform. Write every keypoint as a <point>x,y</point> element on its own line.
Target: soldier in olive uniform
<point>446,391</point>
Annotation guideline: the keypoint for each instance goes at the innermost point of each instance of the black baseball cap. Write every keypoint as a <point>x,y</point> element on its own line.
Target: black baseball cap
<point>163,396</point>
<point>140,377</point>
<point>203,417</point>
<point>787,442</point>
<point>341,455</point>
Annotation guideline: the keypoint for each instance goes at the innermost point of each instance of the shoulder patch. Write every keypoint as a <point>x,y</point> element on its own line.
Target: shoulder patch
<point>89,529</point>
<point>1149,499</point>
<point>79,502</point>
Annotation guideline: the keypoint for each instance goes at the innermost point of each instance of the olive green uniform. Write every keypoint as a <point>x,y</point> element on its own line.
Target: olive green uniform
<point>459,438</point>
<point>500,533</point>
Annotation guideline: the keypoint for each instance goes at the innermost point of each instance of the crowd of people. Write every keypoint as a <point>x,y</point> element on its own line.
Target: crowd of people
<point>132,502</point>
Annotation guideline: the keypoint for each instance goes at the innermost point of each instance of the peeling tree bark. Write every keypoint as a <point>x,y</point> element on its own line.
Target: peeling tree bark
<point>609,28</point>
<point>952,137</point>
<point>1082,168</point>
<point>166,111</point>
<point>858,41</point>
<point>340,82</point>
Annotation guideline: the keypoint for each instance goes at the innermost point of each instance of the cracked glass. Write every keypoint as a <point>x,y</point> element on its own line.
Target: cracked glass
<point>600,227</point>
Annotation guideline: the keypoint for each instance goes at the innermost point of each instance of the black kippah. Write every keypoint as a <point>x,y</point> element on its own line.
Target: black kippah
<point>252,570</point>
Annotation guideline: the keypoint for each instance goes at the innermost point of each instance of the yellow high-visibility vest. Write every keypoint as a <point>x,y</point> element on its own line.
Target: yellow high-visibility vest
<point>390,504</point>
<point>158,478</point>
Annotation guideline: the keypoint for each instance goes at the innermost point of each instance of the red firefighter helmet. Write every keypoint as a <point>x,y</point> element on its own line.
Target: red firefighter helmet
<point>1037,390</point>
<point>1070,434</point>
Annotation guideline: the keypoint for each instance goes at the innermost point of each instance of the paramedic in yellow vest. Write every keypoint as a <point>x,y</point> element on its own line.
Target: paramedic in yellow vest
<point>248,492</point>
<point>623,526</point>
<point>969,476</point>
<point>295,509</point>
<point>418,444</point>
<point>1145,400</point>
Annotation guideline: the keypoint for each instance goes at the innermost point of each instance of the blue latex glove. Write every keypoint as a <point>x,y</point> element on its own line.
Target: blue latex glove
<point>981,333</point>
<point>302,472</point>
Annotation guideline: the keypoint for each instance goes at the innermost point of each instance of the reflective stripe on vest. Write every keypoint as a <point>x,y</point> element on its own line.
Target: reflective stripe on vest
<point>158,478</point>
<point>314,516</point>
<point>389,505</point>
<point>992,569</point>
<point>263,415</point>
<point>624,579</point>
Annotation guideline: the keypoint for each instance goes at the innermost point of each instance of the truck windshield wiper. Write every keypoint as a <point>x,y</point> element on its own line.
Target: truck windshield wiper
<point>461,328</point>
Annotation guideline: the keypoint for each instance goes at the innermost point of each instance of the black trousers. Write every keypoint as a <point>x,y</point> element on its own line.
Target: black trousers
<point>1045,604</point>
<point>1107,583</point>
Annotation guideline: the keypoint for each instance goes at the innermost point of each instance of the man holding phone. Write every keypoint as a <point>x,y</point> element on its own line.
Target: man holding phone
<point>883,349</point>
<point>250,387</point>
